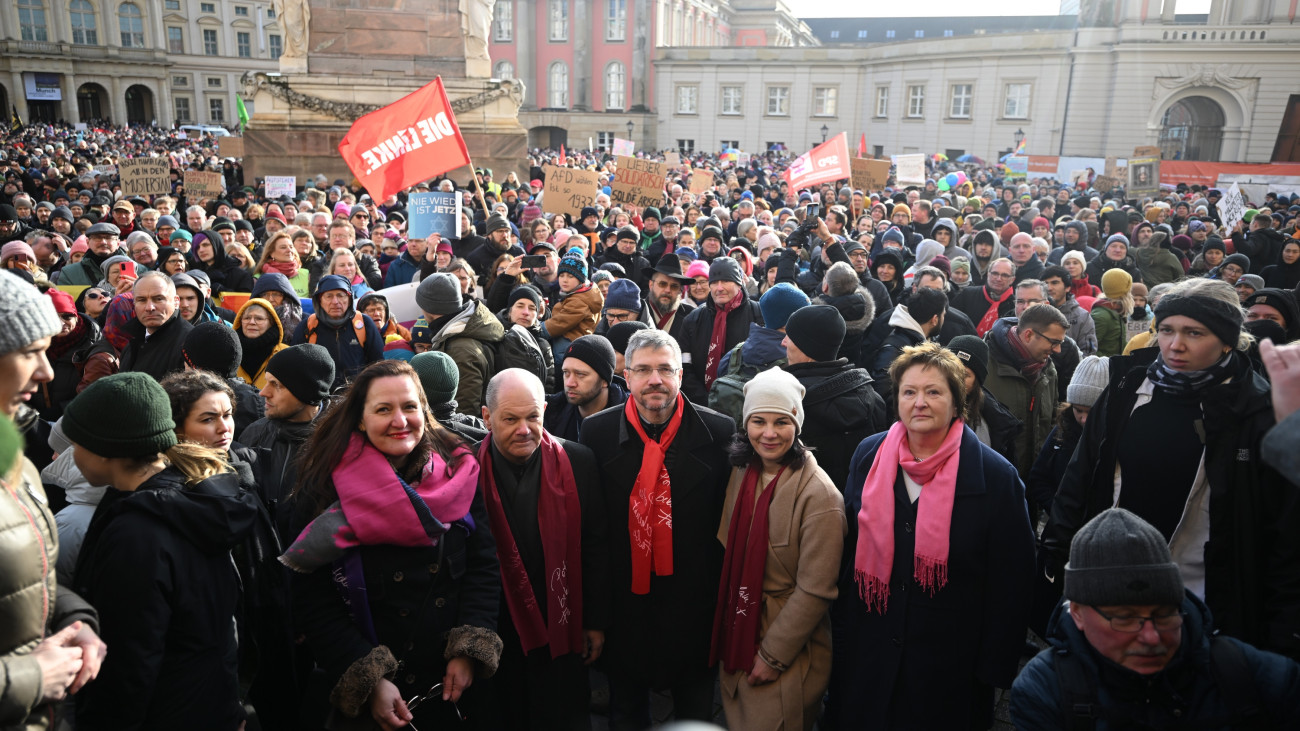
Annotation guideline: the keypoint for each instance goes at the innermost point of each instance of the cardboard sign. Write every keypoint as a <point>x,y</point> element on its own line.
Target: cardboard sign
<point>673,159</point>
<point>622,146</point>
<point>638,183</point>
<point>1143,176</point>
<point>869,175</point>
<point>1104,183</point>
<point>231,146</point>
<point>568,191</point>
<point>435,212</point>
<point>701,181</point>
<point>1112,164</point>
<point>278,186</point>
<point>199,183</point>
<point>146,176</point>
<point>1232,207</point>
<point>194,134</point>
<point>104,169</point>
<point>1146,151</point>
<point>911,169</point>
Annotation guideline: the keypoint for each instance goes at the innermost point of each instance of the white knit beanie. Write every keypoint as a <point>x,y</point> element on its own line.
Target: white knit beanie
<point>775,391</point>
<point>1090,378</point>
<point>27,314</point>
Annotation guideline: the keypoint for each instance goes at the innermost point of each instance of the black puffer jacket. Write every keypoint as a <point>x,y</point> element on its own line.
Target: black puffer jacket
<point>841,409</point>
<point>698,332</point>
<point>225,272</point>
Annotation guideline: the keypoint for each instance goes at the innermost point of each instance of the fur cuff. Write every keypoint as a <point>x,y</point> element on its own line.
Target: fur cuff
<point>356,685</point>
<point>476,643</point>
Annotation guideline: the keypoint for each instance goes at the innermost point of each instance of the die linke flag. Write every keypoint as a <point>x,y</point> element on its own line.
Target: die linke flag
<point>415,138</point>
<point>824,163</point>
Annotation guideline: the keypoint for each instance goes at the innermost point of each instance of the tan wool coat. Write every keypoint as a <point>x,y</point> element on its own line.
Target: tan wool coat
<point>806,532</point>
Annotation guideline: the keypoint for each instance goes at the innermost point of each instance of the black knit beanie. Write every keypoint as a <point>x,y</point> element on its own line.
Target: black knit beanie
<point>528,292</point>
<point>974,354</point>
<point>215,347</point>
<point>596,352</point>
<point>122,415</point>
<point>307,370</point>
<point>622,332</point>
<point>817,330</point>
<point>1223,319</point>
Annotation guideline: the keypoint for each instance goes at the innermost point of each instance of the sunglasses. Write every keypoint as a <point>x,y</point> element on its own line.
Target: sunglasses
<point>434,693</point>
<point>96,296</point>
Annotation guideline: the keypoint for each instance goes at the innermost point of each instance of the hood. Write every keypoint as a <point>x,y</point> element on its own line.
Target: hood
<point>64,473</point>
<point>1082,230</point>
<point>219,257</point>
<point>748,260</point>
<point>367,298</point>
<point>184,280</point>
<point>264,304</point>
<point>276,282</point>
<point>948,224</point>
<point>857,308</point>
<point>213,514</point>
<point>888,257</point>
<point>476,321</point>
<point>763,345</point>
<point>901,318</point>
<point>928,249</point>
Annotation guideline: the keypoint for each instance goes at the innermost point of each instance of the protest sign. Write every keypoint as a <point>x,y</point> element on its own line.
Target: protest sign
<point>1232,206</point>
<point>1104,183</point>
<point>910,170</point>
<point>230,146</point>
<point>1017,166</point>
<point>673,159</point>
<point>824,163</point>
<point>435,212</point>
<point>146,176</point>
<point>198,183</point>
<point>869,175</point>
<point>622,147</point>
<point>1143,176</point>
<point>568,191</point>
<point>701,181</point>
<point>105,169</point>
<point>1146,151</point>
<point>280,186</point>
<point>638,183</point>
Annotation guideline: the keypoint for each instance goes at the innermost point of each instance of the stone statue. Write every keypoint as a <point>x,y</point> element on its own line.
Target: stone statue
<point>294,17</point>
<point>476,25</point>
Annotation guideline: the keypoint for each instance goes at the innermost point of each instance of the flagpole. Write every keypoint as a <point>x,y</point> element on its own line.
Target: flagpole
<point>477,186</point>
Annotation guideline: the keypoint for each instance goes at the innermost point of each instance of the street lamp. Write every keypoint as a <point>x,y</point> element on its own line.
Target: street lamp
<point>825,131</point>
<point>630,127</point>
<point>1020,136</point>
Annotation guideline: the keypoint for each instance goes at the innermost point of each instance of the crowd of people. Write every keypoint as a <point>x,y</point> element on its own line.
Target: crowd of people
<point>833,455</point>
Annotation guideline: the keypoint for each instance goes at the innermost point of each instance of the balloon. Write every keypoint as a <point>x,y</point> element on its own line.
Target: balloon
<point>961,177</point>
<point>606,190</point>
<point>951,180</point>
<point>942,184</point>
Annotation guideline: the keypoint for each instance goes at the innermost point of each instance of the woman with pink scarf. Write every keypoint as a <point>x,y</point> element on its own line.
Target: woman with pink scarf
<point>938,564</point>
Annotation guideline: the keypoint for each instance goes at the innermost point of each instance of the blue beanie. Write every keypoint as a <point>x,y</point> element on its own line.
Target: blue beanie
<point>574,266</point>
<point>779,302</point>
<point>331,282</point>
<point>894,236</point>
<point>623,294</point>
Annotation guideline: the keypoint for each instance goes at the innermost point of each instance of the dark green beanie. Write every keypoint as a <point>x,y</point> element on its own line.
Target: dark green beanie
<point>438,375</point>
<point>123,415</point>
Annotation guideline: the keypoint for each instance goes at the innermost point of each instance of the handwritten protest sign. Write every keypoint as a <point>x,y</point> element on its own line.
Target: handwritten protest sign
<point>1146,151</point>
<point>199,183</point>
<point>911,169</point>
<point>1232,207</point>
<point>623,147</point>
<point>230,146</point>
<point>281,185</point>
<point>1104,183</point>
<point>638,183</point>
<point>701,181</point>
<point>869,174</point>
<point>674,159</point>
<point>568,191</point>
<point>434,212</point>
<point>145,176</point>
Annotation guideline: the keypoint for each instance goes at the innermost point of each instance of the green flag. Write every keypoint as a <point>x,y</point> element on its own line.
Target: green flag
<point>243,112</point>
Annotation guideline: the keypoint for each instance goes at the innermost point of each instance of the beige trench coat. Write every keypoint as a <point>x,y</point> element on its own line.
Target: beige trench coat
<point>806,532</point>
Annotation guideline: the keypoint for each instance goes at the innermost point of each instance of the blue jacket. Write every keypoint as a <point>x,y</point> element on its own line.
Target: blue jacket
<point>348,353</point>
<point>1183,694</point>
<point>761,347</point>
<point>401,271</point>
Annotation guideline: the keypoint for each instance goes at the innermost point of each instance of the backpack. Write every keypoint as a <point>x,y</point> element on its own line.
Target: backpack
<point>358,327</point>
<point>1228,666</point>
<point>727,395</point>
<point>519,349</point>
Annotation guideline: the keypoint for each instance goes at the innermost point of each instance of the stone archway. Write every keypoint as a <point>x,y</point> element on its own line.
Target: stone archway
<point>548,137</point>
<point>92,102</point>
<point>1192,129</point>
<point>139,105</point>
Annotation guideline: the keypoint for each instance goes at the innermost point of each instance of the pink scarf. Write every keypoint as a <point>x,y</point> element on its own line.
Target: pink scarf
<point>874,558</point>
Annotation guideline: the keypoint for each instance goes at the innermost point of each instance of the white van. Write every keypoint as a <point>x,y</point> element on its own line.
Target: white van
<point>213,130</point>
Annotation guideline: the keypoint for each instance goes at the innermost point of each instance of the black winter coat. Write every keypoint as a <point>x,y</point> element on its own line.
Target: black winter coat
<point>840,410</point>
<point>1049,468</point>
<point>160,354</point>
<point>276,443</point>
<point>932,661</point>
<point>1252,577</point>
<point>695,338</point>
<point>655,637</point>
<point>54,396</point>
<point>564,421</point>
<point>1003,426</point>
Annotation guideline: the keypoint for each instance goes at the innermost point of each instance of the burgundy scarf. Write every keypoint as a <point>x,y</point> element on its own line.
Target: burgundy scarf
<point>559,516</point>
<point>718,338</point>
<point>991,315</point>
<point>61,344</point>
<point>287,268</point>
<point>737,617</point>
<point>1029,367</point>
<point>650,506</point>
<point>873,561</point>
<point>661,321</point>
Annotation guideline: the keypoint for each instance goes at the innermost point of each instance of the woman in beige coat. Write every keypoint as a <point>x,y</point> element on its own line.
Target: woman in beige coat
<point>783,528</point>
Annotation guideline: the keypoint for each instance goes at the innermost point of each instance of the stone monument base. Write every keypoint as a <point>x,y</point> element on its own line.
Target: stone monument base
<point>301,119</point>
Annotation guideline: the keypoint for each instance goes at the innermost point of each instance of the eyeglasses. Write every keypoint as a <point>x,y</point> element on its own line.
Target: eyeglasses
<point>665,372</point>
<point>619,316</point>
<point>434,693</point>
<point>256,318</point>
<point>1131,625</point>
<point>1055,343</point>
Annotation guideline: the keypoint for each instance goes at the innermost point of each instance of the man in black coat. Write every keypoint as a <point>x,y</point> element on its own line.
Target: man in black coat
<point>157,331</point>
<point>701,355</point>
<point>975,302</point>
<point>667,305</point>
<point>496,244</point>
<point>841,408</point>
<point>665,556</point>
<point>912,324</point>
<point>555,599</point>
<point>588,386</point>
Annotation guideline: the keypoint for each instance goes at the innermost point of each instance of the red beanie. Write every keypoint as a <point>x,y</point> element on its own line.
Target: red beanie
<point>63,302</point>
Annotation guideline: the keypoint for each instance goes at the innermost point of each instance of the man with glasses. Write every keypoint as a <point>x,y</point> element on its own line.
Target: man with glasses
<point>1021,374</point>
<point>663,462</point>
<point>985,305</point>
<point>1132,649</point>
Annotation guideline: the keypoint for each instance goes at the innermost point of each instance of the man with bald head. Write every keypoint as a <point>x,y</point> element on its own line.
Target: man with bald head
<point>548,519</point>
<point>157,331</point>
<point>1027,264</point>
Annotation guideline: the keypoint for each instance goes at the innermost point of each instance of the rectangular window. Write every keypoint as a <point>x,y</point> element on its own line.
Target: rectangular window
<point>173,5</point>
<point>960,106</point>
<point>732,99</point>
<point>270,12</point>
<point>1017,103</point>
<point>559,20</point>
<point>604,140</point>
<point>878,151</point>
<point>824,101</point>
<point>916,101</point>
<point>730,144</point>
<point>175,40</point>
<point>685,147</point>
<point>615,20</point>
<point>209,42</point>
<point>241,10</point>
<point>862,34</point>
<point>214,82</point>
<point>688,98</point>
<point>276,44</point>
<point>31,21</point>
<point>180,81</point>
<point>778,101</point>
<point>947,34</point>
<point>245,44</point>
<point>882,101</point>
<point>217,110</point>
<point>207,7</point>
<point>503,21</point>
<point>182,105</point>
<point>889,34</point>
<point>835,34</point>
<point>920,34</point>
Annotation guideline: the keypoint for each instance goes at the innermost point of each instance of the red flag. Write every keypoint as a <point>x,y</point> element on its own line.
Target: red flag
<point>862,145</point>
<point>414,138</point>
<point>825,163</point>
<point>563,160</point>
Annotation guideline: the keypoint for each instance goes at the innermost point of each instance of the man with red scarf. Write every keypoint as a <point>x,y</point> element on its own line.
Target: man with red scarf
<point>996,299</point>
<point>663,464</point>
<point>548,519</point>
<point>712,330</point>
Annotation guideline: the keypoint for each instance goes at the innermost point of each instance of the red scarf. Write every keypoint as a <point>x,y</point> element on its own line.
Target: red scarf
<point>873,561</point>
<point>650,506</point>
<point>718,338</point>
<point>1028,367</point>
<point>287,268</point>
<point>61,344</point>
<point>661,321</point>
<point>991,315</point>
<point>559,516</point>
<point>738,615</point>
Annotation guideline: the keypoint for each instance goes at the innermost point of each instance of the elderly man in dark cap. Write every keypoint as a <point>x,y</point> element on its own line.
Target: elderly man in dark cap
<point>713,329</point>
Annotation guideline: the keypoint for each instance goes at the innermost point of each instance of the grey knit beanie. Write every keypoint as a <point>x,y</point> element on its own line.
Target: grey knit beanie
<point>439,294</point>
<point>1118,559</point>
<point>27,314</point>
<point>1090,378</point>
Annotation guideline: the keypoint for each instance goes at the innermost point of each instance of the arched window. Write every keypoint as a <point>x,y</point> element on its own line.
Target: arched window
<point>558,86</point>
<point>131,23</point>
<point>503,70</point>
<point>615,86</point>
<point>82,14</point>
<point>31,21</point>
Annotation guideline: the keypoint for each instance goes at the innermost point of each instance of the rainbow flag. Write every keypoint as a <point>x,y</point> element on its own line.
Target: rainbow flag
<point>1020,148</point>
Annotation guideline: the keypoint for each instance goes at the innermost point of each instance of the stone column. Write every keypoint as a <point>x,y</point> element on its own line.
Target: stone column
<point>525,35</point>
<point>581,33</point>
<point>70,112</point>
<point>19,94</point>
<point>163,100</point>
<point>641,51</point>
<point>1167,11</point>
<point>116,101</point>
